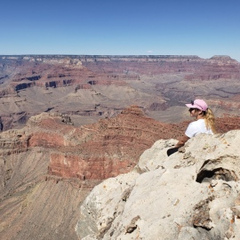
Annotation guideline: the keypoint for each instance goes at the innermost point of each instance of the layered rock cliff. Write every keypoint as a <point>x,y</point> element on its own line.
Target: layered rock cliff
<point>193,194</point>
<point>90,88</point>
<point>48,167</point>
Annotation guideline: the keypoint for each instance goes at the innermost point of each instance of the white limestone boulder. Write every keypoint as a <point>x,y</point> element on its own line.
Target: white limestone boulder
<point>193,194</point>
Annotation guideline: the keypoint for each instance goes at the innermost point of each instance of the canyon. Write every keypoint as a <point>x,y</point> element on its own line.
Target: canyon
<point>48,167</point>
<point>70,122</point>
<point>89,88</point>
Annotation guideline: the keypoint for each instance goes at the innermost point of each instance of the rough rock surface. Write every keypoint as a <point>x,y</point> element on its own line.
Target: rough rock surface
<point>193,194</point>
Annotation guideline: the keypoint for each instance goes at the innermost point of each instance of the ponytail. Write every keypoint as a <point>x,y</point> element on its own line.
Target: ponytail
<point>210,120</point>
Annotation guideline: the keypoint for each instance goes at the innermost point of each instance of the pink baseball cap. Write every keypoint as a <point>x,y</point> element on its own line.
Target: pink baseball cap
<point>199,104</point>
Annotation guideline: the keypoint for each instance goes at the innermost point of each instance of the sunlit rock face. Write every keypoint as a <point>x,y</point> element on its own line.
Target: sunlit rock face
<point>90,88</point>
<point>102,150</point>
<point>193,194</point>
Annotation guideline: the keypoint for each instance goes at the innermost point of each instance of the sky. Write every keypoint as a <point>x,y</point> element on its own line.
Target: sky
<point>128,27</point>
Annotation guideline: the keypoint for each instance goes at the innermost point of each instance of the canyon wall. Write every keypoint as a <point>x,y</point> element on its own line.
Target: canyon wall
<point>90,88</point>
<point>70,122</point>
<point>48,167</point>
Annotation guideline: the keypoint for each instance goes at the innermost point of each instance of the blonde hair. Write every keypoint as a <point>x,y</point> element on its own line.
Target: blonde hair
<point>210,120</point>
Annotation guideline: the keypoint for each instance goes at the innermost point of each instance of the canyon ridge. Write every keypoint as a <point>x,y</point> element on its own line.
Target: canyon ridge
<point>89,88</point>
<point>70,122</point>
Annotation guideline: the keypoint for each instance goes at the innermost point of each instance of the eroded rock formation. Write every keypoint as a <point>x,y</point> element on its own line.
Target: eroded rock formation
<point>193,194</point>
<point>90,88</point>
<point>85,134</point>
<point>48,167</point>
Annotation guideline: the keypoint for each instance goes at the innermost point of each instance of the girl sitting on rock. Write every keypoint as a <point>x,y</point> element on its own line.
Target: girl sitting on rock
<point>204,123</point>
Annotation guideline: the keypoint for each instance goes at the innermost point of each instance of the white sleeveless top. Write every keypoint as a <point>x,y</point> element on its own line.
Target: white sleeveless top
<point>197,127</point>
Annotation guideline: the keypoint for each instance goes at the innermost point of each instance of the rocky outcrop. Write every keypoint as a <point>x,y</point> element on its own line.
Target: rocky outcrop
<point>101,150</point>
<point>193,194</point>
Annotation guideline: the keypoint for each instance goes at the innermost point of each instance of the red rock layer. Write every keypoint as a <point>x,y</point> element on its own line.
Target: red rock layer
<point>98,151</point>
